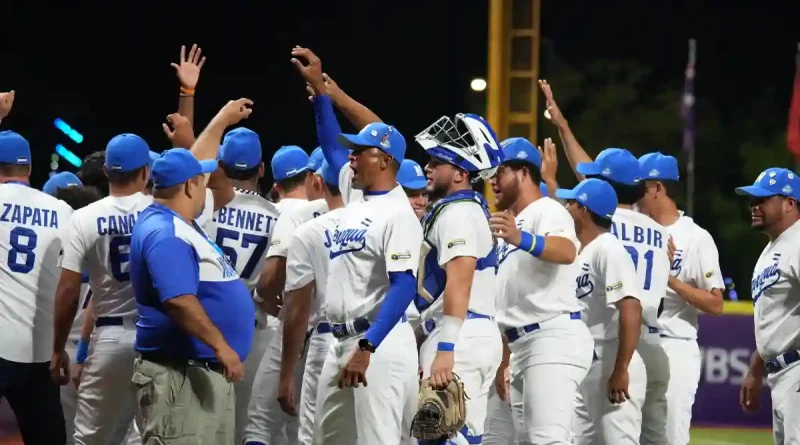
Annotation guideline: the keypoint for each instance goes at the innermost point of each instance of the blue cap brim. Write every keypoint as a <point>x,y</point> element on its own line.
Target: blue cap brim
<point>415,184</point>
<point>588,168</point>
<point>568,194</point>
<point>755,191</point>
<point>208,166</point>
<point>353,141</point>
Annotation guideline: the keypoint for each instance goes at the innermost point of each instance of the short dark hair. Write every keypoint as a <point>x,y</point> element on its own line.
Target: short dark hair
<point>238,174</point>
<point>673,188</point>
<point>92,174</point>
<point>14,169</point>
<point>293,182</point>
<point>332,189</point>
<point>124,178</point>
<point>78,197</point>
<point>600,220</point>
<point>168,192</point>
<point>533,171</point>
<point>626,194</point>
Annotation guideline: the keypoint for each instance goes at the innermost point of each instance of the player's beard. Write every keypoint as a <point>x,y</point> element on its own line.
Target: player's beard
<point>437,190</point>
<point>508,195</point>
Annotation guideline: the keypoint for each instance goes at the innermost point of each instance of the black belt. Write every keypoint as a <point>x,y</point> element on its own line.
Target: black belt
<point>323,327</point>
<point>108,321</point>
<point>357,326</point>
<point>165,359</point>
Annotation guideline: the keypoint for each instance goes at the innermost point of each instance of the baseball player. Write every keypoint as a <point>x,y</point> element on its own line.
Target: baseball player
<point>549,345</point>
<point>695,284</point>
<point>290,172</point>
<point>242,229</point>
<point>305,325</point>
<point>31,229</point>
<point>373,259</point>
<point>412,178</point>
<point>457,273</point>
<point>647,242</point>
<point>776,296</point>
<point>611,396</point>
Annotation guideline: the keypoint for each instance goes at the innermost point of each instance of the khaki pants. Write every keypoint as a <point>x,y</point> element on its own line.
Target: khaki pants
<point>183,405</point>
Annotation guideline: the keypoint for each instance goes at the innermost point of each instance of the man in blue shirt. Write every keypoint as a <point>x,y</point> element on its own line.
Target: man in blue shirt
<point>196,316</point>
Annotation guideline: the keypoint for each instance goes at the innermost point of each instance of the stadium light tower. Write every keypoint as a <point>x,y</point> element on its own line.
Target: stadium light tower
<point>513,68</point>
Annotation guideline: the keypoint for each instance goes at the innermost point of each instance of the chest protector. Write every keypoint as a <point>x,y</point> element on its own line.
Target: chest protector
<point>431,278</point>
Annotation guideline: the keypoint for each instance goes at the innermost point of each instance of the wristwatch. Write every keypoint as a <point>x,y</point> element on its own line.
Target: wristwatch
<point>366,345</point>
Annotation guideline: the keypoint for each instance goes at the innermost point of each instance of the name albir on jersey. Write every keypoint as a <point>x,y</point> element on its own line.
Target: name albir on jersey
<point>29,216</point>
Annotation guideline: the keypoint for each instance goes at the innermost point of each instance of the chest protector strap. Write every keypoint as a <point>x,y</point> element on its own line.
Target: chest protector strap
<point>431,278</point>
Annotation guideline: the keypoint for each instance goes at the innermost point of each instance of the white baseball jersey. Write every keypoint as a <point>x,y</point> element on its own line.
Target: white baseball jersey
<point>206,216</point>
<point>99,241</point>
<point>376,236</point>
<point>607,276</point>
<point>290,220</point>
<point>349,194</point>
<point>646,241</point>
<point>696,263</point>
<point>776,295</point>
<point>31,227</point>
<point>242,229</point>
<point>309,257</point>
<point>461,229</point>
<point>287,204</point>
<point>531,290</point>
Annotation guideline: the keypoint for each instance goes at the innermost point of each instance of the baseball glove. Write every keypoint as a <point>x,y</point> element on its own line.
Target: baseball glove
<point>441,412</point>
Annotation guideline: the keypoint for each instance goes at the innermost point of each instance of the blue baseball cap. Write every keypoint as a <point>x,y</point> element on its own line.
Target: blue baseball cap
<point>328,174</point>
<point>773,181</point>
<point>615,164</point>
<point>657,166</point>
<point>595,194</point>
<point>543,188</point>
<point>240,149</point>
<point>315,160</point>
<point>379,135</point>
<point>127,152</point>
<point>411,175</point>
<point>289,161</point>
<point>178,165</point>
<point>14,149</point>
<point>521,149</point>
<point>61,181</point>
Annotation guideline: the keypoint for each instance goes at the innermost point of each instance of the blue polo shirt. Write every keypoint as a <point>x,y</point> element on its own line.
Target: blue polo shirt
<point>170,258</point>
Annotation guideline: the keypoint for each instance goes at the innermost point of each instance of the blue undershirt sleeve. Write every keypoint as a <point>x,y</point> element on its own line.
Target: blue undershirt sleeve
<point>328,131</point>
<point>402,289</point>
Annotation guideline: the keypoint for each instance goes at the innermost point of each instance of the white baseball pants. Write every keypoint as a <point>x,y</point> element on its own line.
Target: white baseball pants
<point>105,407</point>
<point>547,368</point>
<point>318,347</point>
<point>499,425</point>
<point>684,376</point>
<point>377,414</point>
<point>598,421</point>
<point>654,410</point>
<point>69,396</point>
<point>785,392</point>
<point>477,356</point>
<point>261,341</point>
<point>266,422</point>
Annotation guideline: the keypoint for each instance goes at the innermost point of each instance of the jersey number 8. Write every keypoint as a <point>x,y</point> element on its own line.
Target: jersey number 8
<point>23,242</point>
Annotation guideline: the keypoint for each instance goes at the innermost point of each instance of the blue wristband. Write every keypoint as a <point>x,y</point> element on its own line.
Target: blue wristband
<point>446,347</point>
<point>82,353</point>
<point>534,245</point>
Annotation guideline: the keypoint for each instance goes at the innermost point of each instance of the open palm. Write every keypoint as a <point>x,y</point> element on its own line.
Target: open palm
<point>188,70</point>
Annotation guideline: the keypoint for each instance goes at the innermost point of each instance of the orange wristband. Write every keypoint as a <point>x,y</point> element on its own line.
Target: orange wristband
<point>189,91</point>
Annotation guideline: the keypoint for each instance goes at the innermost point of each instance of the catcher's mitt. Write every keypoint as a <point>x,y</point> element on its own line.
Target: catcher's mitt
<point>441,412</point>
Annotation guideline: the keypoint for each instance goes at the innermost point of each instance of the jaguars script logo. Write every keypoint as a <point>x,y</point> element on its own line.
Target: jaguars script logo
<point>347,240</point>
<point>584,283</point>
<point>766,278</point>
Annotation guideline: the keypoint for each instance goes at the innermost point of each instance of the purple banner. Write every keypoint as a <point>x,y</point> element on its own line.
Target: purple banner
<point>726,343</point>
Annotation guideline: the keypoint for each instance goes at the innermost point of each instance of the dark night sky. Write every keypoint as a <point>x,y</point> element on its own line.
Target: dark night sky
<point>105,69</point>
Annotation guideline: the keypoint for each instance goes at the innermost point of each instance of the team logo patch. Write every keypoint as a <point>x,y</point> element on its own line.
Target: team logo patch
<point>522,155</point>
<point>400,256</point>
<point>654,172</point>
<point>456,242</point>
<point>606,172</point>
<point>274,243</point>
<point>613,287</point>
<point>709,274</point>
<point>385,141</point>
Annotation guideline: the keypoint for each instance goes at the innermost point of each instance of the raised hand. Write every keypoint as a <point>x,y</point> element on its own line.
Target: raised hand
<point>311,70</point>
<point>552,112</point>
<point>188,70</point>
<point>6,102</point>
<point>549,161</point>
<point>331,88</point>
<point>179,130</point>
<point>234,111</point>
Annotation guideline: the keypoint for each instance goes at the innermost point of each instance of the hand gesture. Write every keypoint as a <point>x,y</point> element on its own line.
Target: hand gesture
<point>181,133</point>
<point>442,369</point>
<point>229,359</point>
<point>671,251</point>
<point>188,70</point>
<point>552,112</point>
<point>331,89</point>
<point>505,227</point>
<point>549,162</point>
<point>6,102</point>
<point>311,71</point>
<point>750,393</point>
<point>59,368</point>
<point>234,111</point>
<point>355,372</point>
<point>502,382</point>
<point>77,370</point>
<point>618,386</point>
<point>286,396</point>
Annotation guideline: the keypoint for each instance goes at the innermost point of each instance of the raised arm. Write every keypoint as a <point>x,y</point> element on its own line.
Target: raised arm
<point>188,71</point>
<point>6,102</point>
<point>355,112</point>
<point>575,152</point>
